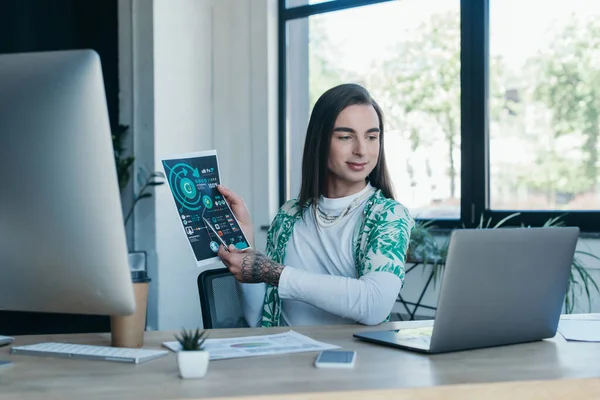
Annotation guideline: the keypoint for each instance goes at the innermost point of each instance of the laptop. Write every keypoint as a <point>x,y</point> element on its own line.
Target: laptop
<point>500,286</point>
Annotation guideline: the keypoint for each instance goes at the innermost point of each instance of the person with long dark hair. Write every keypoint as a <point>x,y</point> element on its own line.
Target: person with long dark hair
<point>336,254</point>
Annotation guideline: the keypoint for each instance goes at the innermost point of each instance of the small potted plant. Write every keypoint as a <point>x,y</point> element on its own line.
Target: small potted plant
<point>192,359</point>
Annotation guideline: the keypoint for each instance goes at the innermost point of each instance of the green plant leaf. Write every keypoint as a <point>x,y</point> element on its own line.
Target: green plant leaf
<point>503,220</point>
<point>192,340</point>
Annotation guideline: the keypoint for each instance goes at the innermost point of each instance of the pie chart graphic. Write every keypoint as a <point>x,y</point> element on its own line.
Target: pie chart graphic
<point>188,188</point>
<point>208,203</point>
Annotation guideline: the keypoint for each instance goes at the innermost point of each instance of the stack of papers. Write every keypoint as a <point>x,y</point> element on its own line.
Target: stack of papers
<point>250,346</point>
<point>580,330</point>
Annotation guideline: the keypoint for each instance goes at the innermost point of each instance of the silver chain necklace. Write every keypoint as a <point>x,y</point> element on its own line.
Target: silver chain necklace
<point>326,221</point>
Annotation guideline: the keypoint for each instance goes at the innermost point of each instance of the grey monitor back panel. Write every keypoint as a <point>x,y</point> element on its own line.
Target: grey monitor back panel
<point>62,240</point>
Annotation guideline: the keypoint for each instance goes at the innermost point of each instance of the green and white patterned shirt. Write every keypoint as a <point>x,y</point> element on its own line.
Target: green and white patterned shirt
<point>380,246</point>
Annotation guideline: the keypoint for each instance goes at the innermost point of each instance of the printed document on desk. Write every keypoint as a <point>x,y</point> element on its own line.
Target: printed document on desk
<point>204,214</point>
<point>580,330</point>
<point>263,345</point>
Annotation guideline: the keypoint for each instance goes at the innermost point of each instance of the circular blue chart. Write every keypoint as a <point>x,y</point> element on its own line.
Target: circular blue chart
<point>208,203</point>
<point>183,187</point>
<point>188,188</point>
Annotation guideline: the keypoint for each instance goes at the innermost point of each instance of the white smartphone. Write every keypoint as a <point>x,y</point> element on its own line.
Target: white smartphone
<point>214,232</point>
<point>336,359</point>
<point>219,235</point>
<point>223,224</point>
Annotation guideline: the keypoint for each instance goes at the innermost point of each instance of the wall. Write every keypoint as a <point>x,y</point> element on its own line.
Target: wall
<point>183,122</point>
<point>200,75</point>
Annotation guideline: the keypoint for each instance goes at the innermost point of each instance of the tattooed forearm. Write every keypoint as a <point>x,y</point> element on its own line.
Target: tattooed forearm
<point>256,267</point>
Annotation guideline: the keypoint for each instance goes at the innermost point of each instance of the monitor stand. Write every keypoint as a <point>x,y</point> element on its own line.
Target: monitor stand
<point>5,341</point>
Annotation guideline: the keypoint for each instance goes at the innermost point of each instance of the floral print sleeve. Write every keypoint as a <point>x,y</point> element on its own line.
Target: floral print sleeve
<point>277,238</point>
<point>385,239</point>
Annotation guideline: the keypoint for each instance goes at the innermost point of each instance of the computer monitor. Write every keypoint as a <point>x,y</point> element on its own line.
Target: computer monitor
<point>62,240</point>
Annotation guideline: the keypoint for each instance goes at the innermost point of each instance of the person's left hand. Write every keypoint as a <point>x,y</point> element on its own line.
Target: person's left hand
<point>250,266</point>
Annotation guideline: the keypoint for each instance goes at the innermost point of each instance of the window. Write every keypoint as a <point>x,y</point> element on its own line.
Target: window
<point>508,123</point>
<point>545,105</point>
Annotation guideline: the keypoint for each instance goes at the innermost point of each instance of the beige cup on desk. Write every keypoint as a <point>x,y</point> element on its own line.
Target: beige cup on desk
<point>128,331</point>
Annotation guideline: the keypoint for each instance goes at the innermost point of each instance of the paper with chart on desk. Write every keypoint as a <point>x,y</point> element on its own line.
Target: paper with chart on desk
<point>580,330</point>
<point>263,345</point>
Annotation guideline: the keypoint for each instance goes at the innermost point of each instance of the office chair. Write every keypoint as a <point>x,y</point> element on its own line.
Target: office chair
<point>219,300</point>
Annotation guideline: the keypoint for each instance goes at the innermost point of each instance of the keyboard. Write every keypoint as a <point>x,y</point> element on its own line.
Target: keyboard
<point>89,352</point>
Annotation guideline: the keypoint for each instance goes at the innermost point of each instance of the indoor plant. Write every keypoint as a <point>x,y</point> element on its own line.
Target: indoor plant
<point>124,163</point>
<point>426,249</point>
<point>192,359</point>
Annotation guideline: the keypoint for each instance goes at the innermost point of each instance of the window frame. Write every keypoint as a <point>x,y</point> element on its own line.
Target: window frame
<point>475,180</point>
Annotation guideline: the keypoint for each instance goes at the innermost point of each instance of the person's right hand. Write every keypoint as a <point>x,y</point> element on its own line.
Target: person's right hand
<point>240,211</point>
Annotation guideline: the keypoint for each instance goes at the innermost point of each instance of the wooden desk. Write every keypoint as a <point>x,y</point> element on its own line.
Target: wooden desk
<point>378,370</point>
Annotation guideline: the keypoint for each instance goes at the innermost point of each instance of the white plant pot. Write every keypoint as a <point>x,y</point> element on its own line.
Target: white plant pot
<point>192,364</point>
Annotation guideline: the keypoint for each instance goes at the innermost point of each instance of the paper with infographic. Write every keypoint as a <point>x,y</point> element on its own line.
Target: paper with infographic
<point>263,345</point>
<point>204,214</point>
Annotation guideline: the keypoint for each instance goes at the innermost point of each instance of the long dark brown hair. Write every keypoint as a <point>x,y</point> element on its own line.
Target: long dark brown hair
<point>318,142</point>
